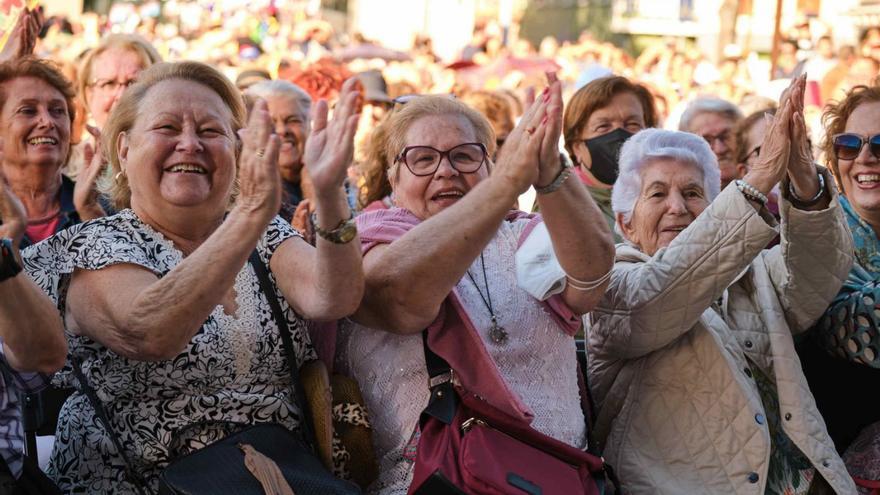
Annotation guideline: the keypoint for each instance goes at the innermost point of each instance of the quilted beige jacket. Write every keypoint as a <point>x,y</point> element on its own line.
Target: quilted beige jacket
<point>679,412</point>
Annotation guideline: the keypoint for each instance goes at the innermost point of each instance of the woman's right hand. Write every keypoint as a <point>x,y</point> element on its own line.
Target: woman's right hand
<point>12,213</point>
<point>772,165</point>
<point>259,180</point>
<point>85,193</point>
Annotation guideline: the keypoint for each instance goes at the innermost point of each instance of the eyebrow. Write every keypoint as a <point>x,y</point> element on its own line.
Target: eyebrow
<point>36,100</point>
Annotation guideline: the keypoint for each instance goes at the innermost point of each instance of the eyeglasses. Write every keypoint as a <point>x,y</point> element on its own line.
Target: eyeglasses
<point>848,146</point>
<point>424,160</point>
<point>756,151</point>
<point>111,85</point>
<point>724,137</point>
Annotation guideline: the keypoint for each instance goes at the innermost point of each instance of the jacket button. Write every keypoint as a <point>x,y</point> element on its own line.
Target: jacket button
<point>753,477</point>
<point>826,463</point>
<point>759,418</point>
<point>748,372</point>
<point>787,416</point>
<point>748,345</point>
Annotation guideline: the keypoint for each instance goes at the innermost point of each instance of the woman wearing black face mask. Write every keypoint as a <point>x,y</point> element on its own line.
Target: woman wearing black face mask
<point>598,119</point>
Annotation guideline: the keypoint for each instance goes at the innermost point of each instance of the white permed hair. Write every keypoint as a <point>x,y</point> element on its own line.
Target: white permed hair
<point>708,104</point>
<point>278,87</point>
<point>651,144</point>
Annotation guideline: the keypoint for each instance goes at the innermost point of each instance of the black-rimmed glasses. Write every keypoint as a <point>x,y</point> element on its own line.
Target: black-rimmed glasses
<point>847,146</point>
<point>466,158</point>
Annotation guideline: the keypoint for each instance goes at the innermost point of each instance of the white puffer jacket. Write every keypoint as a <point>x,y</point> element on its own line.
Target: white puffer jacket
<point>678,411</point>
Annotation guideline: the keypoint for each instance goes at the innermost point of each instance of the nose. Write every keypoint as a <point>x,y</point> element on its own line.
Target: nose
<point>279,127</point>
<point>719,146</point>
<point>445,168</point>
<point>188,141</point>
<point>675,204</point>
<point>865,155</point>
<point>44,119</point>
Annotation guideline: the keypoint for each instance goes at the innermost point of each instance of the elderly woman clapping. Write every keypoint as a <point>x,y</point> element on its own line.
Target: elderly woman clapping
<point>160,306</point>
<point>445,257</point>
<point>691,353</point>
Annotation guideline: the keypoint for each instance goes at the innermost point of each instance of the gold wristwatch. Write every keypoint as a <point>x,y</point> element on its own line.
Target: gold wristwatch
<point>343,233</point>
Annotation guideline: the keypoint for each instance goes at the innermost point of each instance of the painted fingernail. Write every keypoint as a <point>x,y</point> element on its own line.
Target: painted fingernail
<point>544,120</point>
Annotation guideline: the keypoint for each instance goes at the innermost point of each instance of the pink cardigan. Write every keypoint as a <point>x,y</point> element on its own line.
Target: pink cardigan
<point>452,334</point>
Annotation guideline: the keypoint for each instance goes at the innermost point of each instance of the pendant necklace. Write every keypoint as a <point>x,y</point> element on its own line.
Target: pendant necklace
<point>497,333</point>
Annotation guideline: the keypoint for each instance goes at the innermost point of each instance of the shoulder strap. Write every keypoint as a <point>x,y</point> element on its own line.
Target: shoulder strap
<point>444,400</point>
<point>278,314</point>
<point>133,476</point>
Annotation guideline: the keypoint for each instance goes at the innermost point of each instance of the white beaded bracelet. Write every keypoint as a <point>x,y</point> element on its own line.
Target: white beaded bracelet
<point>751,192</point>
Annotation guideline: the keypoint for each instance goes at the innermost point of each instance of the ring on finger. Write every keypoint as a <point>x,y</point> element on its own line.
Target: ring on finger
<point>261,152</point>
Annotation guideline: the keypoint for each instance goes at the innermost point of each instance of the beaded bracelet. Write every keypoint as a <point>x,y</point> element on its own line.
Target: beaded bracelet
<point>801,203</point>
<point>751,192</point>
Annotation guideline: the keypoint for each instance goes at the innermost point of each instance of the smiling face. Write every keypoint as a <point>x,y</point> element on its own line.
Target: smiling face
<point>180,152</point>
<point>860,177</point>
<point>112,71</point>
<point>35,123</point>
<point>291,125</point>
<point>426,196</point>
<point>672,196</point>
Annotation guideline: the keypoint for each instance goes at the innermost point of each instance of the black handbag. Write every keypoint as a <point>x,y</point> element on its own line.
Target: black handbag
<point>220,467</point>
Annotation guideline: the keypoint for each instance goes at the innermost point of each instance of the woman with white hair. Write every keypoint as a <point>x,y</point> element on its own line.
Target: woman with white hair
<point>691,356</point>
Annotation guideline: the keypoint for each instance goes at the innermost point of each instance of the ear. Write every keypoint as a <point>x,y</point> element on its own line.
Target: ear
<point>582,156</point>
<point>122,149</point>
<point>625,229</point>
<point>741,170</point>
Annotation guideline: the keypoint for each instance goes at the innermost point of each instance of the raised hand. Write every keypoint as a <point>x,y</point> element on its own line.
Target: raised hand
<point>301,221</point>
<point>85,194</point>
<point>550,162</point>
<point>520,157</point>
<point>330,147</point>
<point>12,213</point>
<point>23,38</point>
<point>772,164</point>
<point>801,170</point>
<point>259,181</point>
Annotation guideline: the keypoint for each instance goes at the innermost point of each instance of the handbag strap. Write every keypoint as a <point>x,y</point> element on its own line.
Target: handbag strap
<point>133,476</point>
<point>299,394</point>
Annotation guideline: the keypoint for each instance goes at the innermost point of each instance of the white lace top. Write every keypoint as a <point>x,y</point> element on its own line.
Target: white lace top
<point>538,361</point>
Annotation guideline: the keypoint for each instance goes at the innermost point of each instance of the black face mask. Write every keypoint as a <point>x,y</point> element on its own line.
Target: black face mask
<point>604,152</point>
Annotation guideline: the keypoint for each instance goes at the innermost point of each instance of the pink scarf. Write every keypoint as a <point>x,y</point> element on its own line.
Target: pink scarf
<point>452,335</point>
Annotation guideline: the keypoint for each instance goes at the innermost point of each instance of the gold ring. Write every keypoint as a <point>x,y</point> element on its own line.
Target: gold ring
<point>261,152</point>
<point>530,130</point>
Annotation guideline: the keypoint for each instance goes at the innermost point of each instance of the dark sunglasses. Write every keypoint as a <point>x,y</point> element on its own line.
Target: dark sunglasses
<point>847,146</point>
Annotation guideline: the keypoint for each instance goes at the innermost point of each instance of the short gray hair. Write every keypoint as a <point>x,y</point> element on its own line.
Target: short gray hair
<point>708,105</point>
<point>278,87</point>
<point>650,144</point>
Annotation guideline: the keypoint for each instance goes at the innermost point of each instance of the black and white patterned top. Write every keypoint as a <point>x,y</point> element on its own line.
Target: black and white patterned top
<point>232,373</point>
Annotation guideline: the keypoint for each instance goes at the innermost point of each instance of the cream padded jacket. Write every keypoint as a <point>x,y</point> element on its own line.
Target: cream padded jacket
<point>678,412</point>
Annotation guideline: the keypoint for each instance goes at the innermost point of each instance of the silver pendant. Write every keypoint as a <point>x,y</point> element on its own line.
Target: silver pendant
<point>497,333</point>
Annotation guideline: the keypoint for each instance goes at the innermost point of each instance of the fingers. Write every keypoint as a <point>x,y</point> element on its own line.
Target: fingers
<point>553,119</point>
<point>94,131</point>
<point>319,116</point>
<point>530,96</point>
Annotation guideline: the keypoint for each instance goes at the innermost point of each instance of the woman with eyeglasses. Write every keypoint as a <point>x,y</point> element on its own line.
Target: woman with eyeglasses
<point>443,261</point>
<point>841,357</point>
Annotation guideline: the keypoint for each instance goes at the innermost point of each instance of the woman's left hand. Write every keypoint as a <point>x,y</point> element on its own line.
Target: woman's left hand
<point>550,164</point>
<point>330,146</point>
<point>801,171</point>
<point>259,181</point>
<point>85,193</point>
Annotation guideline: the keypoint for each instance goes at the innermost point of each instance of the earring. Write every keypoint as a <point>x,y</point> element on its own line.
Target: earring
<point>119,174</point>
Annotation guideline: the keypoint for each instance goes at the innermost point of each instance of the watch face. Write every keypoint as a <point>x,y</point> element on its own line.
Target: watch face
<point>348,232</point>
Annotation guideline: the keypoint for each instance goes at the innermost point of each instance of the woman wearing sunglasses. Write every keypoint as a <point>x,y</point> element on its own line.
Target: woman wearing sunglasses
<point>842,356</point>
<point>443,260</point>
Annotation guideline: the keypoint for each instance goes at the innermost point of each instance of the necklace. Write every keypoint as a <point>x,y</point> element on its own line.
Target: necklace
<point>497,333</point>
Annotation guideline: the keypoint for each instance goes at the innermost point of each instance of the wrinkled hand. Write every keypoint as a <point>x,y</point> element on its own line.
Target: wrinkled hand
<point>23,38</point>
<point>550,164</point>
<point>301,221</point>
<point>12,212</point>
<point>259,180</point>
<point>85,194</point>
<point>773,162</point>
<point>801,170</point>
<point>330,147</point>
<point>518,161</point>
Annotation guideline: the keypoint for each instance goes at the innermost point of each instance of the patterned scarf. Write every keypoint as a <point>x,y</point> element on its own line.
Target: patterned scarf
<point>865,240</point>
